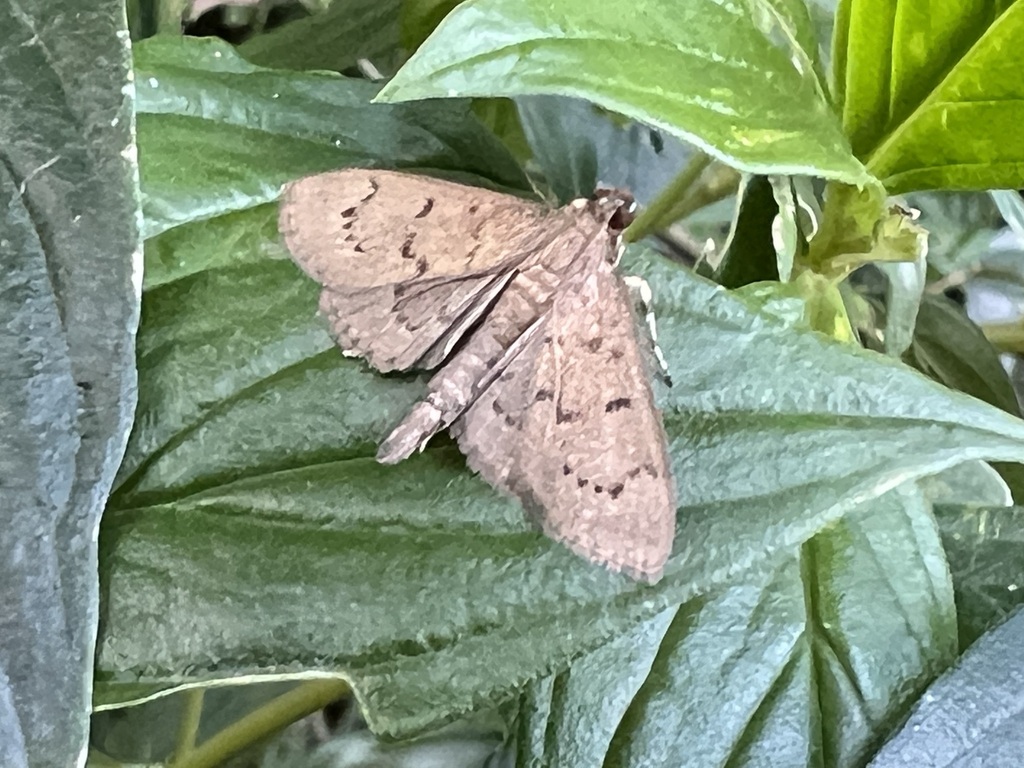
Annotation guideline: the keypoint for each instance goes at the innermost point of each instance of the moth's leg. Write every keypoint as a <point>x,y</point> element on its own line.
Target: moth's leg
<point>640,290</point>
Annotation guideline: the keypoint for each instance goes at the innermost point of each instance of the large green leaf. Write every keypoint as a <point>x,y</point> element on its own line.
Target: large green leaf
<point>768,673</point>
<point>69,283</point>
<point>931,97</point>
<point>205,114</point>
<point>712,73</point>
<point>251,512</point>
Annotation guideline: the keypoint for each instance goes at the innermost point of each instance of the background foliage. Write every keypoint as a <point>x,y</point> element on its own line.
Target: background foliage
<point>844,546</point>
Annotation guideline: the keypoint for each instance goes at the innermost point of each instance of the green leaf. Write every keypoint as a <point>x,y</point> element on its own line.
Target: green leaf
<point>421,17</point>
<point>904,293</point>
<point>578,145</point>
<point>931,99</point>
<point>985,547</point>
<point>961,227</point>
<point>206,113</point>
<point>334,39</point>
<point>950,348</point>
<point>749,254</point>
<point>69,250</point>
<point>738,84</point>
<point>780,667</point>
<point>972,715</point>
<point>785,228</point>
<point>569,163</point>
<point>251,511</point>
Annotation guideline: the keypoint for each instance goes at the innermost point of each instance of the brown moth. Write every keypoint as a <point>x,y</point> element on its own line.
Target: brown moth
<point>540,372</point>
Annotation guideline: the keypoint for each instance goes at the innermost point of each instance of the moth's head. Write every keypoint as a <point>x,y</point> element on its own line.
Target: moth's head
<point>616,207</point>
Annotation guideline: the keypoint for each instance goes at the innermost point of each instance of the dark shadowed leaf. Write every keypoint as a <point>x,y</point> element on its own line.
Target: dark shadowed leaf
<point>69,272</point>
<point>973,715</point>
<point>749,256</point>
<point>985,547</point>
<point>950,348</point>
<point>333,39</point>
<point>578,146</point>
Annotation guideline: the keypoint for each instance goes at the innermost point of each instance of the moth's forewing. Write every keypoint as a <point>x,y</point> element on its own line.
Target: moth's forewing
<point>406,262</point>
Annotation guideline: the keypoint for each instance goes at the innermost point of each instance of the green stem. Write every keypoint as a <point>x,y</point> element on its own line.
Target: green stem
<point>189,726</point>
<point>170,14</point>
<point>263,722</point>
<point>652,217</point>
<point>1006,337</point>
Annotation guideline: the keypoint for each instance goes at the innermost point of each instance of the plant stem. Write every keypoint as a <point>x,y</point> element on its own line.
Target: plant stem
<point>1006,337</point>
<point>652,217</point>
<point>189,727</point>
<point>264,722</point>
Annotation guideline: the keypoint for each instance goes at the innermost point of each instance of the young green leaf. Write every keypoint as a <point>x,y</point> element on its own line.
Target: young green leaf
<point>739,84</point>
<point>931,100</point>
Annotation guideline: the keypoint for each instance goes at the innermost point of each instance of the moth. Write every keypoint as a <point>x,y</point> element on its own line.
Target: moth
<point>540,373</point>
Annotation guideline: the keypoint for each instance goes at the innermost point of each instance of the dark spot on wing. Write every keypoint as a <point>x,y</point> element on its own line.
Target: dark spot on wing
<point>509,421</point>
<point>565,417</point>
<point>426,208</point>
<point>358,248</point>
<point>598,489</point>
<point>421,266</point>
<point>347,225</point>
<point>651,470</point>
<point>545,394</point>
<point>633,472</point>
<point>407,248</point>
<point>473,208</point>
<point>373,191</point>
<point>594,344</point>
<point>85,386</point>
<point>616,490</point>
<point>582,482</point>
<point>617,353</point>
<point>507,376</point>
<point>566,469</point>
<point>617,404</point>
<point>348,213</point>
<point>498,409</point>
<point>547,339</point>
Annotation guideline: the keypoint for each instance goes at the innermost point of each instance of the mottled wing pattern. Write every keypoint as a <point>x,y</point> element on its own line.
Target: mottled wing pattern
<point>408,263</point>
<point>571,429</point>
